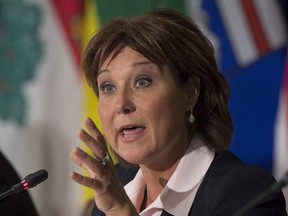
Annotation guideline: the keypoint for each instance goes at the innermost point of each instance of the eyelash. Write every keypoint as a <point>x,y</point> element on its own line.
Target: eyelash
<point>146,79</point>
<point>103,87</point>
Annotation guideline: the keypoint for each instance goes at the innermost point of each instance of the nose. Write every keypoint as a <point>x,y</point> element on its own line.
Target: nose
<point>124,102</point>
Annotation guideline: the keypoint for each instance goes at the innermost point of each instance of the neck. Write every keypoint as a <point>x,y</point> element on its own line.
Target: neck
<point>156,180</point>
<point>147,200</point>
<point>158,172</point>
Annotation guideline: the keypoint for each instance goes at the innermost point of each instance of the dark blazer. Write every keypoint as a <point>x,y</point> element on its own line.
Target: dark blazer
<point>16,204</point>
<point>228,185</point>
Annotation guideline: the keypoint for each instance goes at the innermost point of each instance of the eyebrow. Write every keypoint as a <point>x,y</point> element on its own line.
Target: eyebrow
<point>141,63</point>
<point>136,64</point>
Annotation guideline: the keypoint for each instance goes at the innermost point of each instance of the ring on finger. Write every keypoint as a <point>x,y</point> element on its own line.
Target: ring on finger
<point>105,160</point>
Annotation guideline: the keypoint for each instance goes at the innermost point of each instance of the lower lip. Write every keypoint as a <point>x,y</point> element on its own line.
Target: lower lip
<point>132,135</point>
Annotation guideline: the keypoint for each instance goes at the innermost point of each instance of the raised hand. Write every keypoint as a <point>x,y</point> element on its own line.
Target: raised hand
<point>110,196</point>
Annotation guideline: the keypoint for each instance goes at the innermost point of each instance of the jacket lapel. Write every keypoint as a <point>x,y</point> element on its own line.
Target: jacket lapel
<point>164,213</point>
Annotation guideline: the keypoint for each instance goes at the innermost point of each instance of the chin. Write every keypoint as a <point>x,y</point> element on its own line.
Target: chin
<point>132,158</point>
<point>134,154</point>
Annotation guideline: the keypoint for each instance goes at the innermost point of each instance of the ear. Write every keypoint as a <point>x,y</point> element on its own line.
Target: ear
<point>192,89</point>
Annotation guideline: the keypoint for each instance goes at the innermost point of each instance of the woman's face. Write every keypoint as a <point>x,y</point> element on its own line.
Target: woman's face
<point>142,110</point>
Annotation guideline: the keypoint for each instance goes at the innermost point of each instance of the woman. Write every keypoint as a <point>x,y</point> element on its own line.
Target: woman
<point>163,106</point>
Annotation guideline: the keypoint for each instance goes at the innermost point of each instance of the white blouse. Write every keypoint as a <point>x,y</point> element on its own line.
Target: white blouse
<point>179,193</point>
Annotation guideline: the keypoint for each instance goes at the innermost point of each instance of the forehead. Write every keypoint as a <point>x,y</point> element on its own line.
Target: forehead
<point>126,56</point>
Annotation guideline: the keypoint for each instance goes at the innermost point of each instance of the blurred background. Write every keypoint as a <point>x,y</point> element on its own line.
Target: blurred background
<point>44,98</point>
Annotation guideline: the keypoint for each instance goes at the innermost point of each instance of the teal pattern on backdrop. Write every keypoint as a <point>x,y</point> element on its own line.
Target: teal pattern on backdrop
<point>20,53</point>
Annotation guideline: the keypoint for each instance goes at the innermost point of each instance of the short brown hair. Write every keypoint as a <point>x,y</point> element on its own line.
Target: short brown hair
<point>167,37</point>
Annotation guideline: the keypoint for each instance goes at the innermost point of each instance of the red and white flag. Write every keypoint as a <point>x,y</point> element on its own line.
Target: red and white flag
<point>254,28</point>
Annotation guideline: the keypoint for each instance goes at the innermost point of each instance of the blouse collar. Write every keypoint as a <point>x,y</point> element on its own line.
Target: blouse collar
<point>179,193</point>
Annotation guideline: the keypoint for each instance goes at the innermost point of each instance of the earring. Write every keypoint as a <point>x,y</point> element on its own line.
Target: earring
<point>191,117</point>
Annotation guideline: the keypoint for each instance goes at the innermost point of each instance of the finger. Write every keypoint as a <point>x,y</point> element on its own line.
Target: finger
<point>80,163</point>
<point>95,132</point>
<point>92,166</point>
<point>98,150</point>
<point>85,181</point>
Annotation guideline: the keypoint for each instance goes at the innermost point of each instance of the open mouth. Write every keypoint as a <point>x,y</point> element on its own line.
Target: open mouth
<point>131,132</point>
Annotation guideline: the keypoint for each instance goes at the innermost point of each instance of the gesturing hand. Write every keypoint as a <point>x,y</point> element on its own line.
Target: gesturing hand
<point>110,196</point>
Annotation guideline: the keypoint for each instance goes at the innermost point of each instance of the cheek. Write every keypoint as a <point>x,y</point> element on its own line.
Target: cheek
<point>168,111</point>
<point>106,125</point>
<point>105,116</point>
<point>101,112</point>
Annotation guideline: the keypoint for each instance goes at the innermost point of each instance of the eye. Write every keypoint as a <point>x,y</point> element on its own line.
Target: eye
<point>143,82</point>
<point>107,88</point>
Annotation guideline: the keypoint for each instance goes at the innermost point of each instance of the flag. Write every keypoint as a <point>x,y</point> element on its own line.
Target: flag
<point>250,38</point>
<point>40,97</point>
<point>252,46</point>
<point>255,81</point>
<point>254,28</point>
<point>90,27</point>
